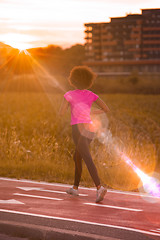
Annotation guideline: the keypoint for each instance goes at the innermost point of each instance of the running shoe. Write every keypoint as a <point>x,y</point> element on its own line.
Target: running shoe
<point>72,191</point>
<point>100,194</point>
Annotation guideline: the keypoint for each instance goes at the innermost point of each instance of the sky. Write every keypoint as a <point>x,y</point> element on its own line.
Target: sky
<point>38,23</point>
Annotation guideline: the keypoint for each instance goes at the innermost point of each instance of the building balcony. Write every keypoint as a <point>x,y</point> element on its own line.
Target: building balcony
<point>136,35</point>
<point>151,35</point>
<point>104,31</point>
<point>151,41</point>
<point>139,22</point>
<point>96,43</point>
<point>87,37</point>
<point>88,31</point>
<point>151,28</point>
<point>96,38</point>
<point>137,28</point>
<point>96,31</point>
<point>107,37</point>
<point>125,62</point>
<point>137,56</point>
<point>151,49</point>
<point>134,49</point>
<point>110,43</point>
<point>132,42</point>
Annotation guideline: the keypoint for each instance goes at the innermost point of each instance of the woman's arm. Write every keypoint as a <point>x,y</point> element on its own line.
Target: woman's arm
<point>64,106</point>
<point>102,105</point>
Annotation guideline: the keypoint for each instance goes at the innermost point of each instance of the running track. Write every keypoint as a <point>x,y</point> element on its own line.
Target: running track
<point>121,215</point>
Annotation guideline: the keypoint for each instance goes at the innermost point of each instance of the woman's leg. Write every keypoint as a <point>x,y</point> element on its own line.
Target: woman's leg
<point>78,167</point>
<point>82,151</point>
<point>83,148</point>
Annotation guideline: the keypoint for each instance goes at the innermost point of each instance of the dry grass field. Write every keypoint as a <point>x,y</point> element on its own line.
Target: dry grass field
<point>36,144</point>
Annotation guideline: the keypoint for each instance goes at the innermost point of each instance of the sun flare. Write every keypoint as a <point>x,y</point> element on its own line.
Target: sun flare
<point>20,46</point>
<point>19,41</point>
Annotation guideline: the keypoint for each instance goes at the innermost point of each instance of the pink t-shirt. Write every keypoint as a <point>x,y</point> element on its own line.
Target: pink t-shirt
<point>80,103</point>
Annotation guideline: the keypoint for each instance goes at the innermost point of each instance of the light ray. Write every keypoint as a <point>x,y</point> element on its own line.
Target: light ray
<point>42,73</point>
<point>7,79</point>
<point>7,61</point>
<point>45,79</point>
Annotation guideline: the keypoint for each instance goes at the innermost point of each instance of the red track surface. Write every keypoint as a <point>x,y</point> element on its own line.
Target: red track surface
<point>117,209</point>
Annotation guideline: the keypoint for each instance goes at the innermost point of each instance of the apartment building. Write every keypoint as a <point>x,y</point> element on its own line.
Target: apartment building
<point>124,44</point>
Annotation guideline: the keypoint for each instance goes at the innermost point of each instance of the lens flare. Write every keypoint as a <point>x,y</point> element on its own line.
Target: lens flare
<point>151,185</point>
<point>90,130</point>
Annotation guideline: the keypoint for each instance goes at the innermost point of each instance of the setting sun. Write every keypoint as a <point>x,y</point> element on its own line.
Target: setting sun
<point>19,41</point>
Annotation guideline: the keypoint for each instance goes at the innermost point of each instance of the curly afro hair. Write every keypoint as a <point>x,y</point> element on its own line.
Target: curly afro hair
<point>81,77</point>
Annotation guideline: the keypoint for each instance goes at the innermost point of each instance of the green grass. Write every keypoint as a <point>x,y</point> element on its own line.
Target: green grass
<point>36,145</point>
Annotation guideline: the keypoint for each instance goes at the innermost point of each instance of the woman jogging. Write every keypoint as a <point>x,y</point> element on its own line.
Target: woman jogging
<point>80,101</point>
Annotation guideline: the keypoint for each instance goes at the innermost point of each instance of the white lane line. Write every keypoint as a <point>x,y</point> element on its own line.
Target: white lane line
<point>10,201</point>
<point>29,188</point>
<point>116,207</point>
<point>34,196</point>
<point>35,182</point>
<point>45,190</point>
<point>67,185</point>
<point>133,194</point>
<point>157,231</point>
<point>81,221</point>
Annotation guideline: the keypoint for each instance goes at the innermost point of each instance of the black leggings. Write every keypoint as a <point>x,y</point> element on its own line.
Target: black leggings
<point>82,152</point>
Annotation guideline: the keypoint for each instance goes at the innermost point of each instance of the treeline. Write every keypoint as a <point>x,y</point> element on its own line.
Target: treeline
<point>53,60</point>
<point>58,60</point>
<point>24,68</point>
